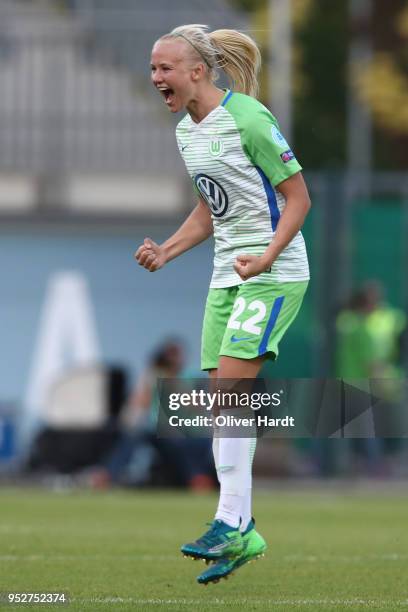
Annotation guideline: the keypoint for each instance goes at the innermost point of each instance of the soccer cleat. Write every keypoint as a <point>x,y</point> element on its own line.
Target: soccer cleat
<point>220,540</point>
<point>254,547</point>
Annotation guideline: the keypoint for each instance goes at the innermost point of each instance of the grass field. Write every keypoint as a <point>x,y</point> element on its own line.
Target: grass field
<point>119,551</point>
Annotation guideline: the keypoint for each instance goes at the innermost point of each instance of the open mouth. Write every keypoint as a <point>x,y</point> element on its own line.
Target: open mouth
<point>167,93</point>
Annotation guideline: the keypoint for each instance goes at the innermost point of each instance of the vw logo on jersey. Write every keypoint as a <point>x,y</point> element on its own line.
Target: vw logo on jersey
<point>213,193</point>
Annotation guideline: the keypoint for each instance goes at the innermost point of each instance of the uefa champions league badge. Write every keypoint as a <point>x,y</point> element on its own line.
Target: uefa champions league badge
<point>216,147</point>
<point>278,138</point>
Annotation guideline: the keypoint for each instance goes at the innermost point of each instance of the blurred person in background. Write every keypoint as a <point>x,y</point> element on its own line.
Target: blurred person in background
<point>188,461</point>
<point>369,335</point>
<point>252,197</point>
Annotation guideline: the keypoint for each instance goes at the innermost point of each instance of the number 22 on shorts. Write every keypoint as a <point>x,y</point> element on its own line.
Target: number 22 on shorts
<point>249,325</point>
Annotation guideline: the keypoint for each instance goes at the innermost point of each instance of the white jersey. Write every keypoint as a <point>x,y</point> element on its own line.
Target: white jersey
<point>236,156</point>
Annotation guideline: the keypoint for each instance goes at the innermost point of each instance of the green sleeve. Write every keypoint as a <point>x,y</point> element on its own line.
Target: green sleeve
<point>261,139</point>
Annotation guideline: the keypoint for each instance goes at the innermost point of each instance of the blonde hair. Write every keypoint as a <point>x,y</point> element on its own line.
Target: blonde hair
<point>235,53</point>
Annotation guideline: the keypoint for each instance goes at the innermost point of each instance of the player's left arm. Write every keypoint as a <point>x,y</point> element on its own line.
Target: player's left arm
<point>268,150</point>
<point>292,218</point>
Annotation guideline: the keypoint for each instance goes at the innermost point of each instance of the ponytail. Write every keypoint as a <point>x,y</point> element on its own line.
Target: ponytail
<point>235,53</point>
<point>240,58</point>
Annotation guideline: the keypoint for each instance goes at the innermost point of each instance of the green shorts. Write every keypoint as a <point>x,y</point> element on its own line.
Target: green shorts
<point>248,320</point>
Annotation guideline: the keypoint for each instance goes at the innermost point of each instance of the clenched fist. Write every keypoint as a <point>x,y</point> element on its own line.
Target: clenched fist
<point>250,265</point>
<point>150,255</point>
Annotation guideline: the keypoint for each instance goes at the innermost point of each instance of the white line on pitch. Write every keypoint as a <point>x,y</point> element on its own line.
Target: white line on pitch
<point>149,557</point>
<point>243,601</point>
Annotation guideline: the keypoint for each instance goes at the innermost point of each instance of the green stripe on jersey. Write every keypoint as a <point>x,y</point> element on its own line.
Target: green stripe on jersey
<point>236,156</point>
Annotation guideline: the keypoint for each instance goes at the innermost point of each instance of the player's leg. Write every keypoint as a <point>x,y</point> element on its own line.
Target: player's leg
<point>259,334</point>
<point>217,313</point>
<point>221,538</point>
<point>236,446</point>
<point>233,460</point>
<point>234,472</point>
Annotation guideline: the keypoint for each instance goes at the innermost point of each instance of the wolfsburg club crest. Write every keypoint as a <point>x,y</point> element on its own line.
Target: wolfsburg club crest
<point>216,147</point>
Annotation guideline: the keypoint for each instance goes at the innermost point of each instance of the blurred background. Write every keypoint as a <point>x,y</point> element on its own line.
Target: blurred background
<point>89,167</point>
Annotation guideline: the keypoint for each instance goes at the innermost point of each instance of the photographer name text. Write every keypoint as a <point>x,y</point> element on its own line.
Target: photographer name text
<point>231,421</point>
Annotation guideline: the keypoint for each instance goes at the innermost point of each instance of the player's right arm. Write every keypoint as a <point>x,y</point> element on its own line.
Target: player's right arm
<point>195,229</point>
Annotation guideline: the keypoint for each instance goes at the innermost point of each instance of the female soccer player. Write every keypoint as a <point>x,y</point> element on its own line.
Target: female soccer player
<point>252,197</point>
